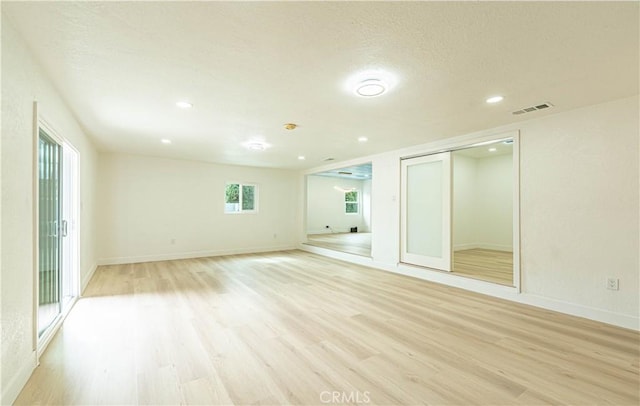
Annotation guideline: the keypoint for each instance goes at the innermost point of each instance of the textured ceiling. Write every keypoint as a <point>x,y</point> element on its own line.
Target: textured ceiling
<point>250,67</point>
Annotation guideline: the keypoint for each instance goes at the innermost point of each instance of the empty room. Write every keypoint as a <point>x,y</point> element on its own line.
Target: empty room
<point>307,203</point>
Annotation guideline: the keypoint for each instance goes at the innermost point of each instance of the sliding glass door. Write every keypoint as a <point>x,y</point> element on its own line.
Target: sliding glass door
<point>58,240</point>
<point>51,230</point>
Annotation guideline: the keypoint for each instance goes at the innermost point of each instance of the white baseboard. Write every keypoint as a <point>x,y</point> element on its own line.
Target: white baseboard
<point>332,231</point>
<point>462,247</point>
<point>322,231</point>
<point>487,288</point>
<point>11,390</point>
<point>604,316</point>
<point>345,256</point>
<point>188,255</point>
<point>494,247</point>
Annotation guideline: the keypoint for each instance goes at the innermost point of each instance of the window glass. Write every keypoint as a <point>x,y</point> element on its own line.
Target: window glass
<point>351,202</point>
<point>248,197</point>
<point>240,198</point>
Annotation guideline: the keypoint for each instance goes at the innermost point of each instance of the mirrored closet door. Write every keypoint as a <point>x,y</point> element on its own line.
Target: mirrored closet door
<point>458,211</point>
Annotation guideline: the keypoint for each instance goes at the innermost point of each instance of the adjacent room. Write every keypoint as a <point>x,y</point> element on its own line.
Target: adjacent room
<point>304,203</point>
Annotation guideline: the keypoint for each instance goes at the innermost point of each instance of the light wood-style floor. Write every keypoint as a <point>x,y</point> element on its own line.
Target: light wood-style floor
<point>488,265</point>
<point>286,327</point>
<point>352,243</point>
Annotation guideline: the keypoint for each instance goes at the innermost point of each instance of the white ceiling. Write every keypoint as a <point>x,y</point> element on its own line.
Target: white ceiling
<point>486,151</point>
<point>250,67</point>
<point>358,172</point>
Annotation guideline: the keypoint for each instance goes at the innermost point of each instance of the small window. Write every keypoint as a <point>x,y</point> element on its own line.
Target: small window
<point>240,198</point>
<point>351,202</point>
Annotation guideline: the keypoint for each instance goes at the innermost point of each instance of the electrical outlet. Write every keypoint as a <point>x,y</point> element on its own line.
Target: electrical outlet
<point>173,241</point>
<point>613,283</point>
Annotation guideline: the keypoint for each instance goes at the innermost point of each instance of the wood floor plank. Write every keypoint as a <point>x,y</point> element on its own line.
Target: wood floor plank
<point>484,264</point>
<point>296,328</point>
<point>352,243</point>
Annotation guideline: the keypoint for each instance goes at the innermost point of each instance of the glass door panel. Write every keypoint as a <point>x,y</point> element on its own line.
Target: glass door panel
<point>426,209</point>
<point>49,236</point>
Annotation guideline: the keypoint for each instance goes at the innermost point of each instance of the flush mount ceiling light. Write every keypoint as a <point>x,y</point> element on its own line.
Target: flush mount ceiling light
<point>184,104</point>
<point>165,141</point>
<point>494,99</point>
<point>370,82</point>
<point>301,157</point>
<point>363,139</point>
<point>493,149</point>
<point>371,88</point>
<point>256,146</point>
<point>290,126</point>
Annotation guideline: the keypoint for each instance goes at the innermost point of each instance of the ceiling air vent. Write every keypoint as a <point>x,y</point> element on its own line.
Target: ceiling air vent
<point>533,108</point>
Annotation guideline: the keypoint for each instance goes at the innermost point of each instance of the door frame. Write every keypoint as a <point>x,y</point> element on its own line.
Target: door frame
<point>40,120</point>
<point>476,140</point>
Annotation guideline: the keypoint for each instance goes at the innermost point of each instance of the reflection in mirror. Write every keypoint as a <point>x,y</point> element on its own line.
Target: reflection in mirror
<point>483,212</point>
<point>339,209</point>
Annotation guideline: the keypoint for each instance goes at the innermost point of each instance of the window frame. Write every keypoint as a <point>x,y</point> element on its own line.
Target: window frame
<point>240,210</point>
<point>356,202</point>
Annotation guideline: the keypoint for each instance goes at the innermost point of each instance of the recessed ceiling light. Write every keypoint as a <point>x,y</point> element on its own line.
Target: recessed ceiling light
<point>184,104</point>
<point>493,149</point>
<point>363,139</point>
<point>256,146</point>
<point>165,141</point>
<point>371,88</point>
<point>494,99</point>
<point>301,157</point>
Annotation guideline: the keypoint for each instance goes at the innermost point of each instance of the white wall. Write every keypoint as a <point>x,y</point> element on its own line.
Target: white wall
<point>464,203</point>
<point>579,200</point>
<point>325,205</point>
<point>156,208</point>
<point>494,197</point>
<point>482,202</point>
<point>366,206</point>
<point>23,82</point>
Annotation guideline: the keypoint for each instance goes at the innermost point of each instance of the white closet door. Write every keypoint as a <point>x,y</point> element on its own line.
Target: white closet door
<point>426,211</point>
